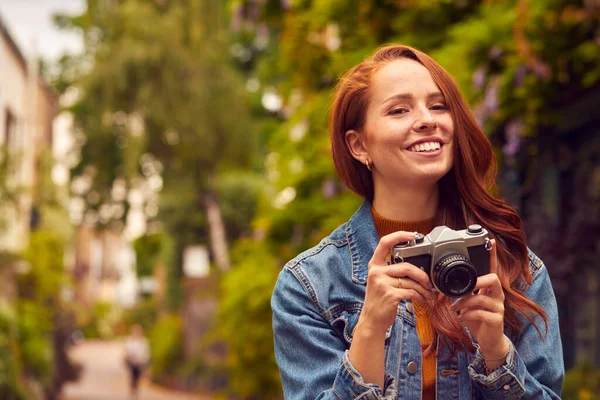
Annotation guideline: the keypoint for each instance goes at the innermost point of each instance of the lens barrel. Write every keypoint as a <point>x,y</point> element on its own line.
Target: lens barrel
<point>454,275</point>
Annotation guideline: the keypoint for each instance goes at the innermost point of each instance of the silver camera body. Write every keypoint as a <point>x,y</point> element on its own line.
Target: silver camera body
<point>452,259</point>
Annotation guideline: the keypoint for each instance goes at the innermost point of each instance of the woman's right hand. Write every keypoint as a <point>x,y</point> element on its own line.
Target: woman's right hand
<point>387,285</point>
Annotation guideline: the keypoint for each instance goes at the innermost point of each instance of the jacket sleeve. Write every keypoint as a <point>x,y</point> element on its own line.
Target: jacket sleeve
<point>312,358</point>
<point>534,368</point>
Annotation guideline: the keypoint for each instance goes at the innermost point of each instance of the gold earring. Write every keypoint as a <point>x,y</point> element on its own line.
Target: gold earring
<point>368,164</point>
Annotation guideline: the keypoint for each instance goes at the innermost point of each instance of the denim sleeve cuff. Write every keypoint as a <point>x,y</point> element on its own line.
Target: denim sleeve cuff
<point>349,384</point>
<point>507,379</point>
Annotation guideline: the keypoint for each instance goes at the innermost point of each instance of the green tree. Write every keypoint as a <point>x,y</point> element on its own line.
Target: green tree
<point>157,108</point>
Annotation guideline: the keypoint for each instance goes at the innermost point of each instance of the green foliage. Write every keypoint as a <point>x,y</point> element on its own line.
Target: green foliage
<point>148,249</point>
<point>581,383</point>
<point>40,308</point>
<point>99,322</point>
<point>166,93</point>
<point>238,193</point>
<point>246,307</point>
<point>9,190</point>
<point>35,342</point>
<point>166,343</point>
<point>51,200</point>
<point>11,386</point>
<point>46,275</point>
<point>144,313</point>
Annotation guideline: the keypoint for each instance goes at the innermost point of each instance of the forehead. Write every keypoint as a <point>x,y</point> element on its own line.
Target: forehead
<point>399,77</point>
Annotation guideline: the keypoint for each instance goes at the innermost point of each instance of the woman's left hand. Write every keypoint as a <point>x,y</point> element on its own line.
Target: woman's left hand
<point>483,313</point>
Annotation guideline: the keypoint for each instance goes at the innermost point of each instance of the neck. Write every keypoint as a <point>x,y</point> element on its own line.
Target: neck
<point>406,203</point>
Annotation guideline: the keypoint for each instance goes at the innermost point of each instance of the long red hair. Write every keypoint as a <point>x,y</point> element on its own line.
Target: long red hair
<point>465,191</point>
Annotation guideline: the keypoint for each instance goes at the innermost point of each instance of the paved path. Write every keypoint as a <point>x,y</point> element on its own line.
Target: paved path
<point>105,376</point>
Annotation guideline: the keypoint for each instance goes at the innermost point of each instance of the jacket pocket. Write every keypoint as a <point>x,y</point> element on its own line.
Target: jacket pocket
<point>344,325</point>
<point>345,322</point>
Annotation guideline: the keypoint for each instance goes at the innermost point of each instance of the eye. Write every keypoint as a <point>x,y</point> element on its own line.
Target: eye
<point>439,107</point>
<point>398,111</point>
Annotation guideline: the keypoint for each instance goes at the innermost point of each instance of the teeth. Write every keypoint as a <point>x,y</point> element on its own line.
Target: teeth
<point>428,146</point>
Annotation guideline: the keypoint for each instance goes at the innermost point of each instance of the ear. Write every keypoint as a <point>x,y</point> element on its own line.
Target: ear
<point>356,145</point>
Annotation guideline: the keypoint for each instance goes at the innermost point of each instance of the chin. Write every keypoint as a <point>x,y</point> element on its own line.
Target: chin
<point>432,175</point>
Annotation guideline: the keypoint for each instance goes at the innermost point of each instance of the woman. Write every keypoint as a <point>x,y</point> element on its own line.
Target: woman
<point>137,356</point>
<point>348,325</point>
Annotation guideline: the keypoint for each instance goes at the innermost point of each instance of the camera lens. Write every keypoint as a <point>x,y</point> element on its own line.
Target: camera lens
<point>454,275</point>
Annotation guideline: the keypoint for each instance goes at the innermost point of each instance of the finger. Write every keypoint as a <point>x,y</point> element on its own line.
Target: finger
<point>410,271</point>
<point>382,251</point>
<point>479,301</point>
<point>490,282</point>
<point>483,316</point>
<point>409,294</point>
<point>493,258</point>
<point>409,284</point>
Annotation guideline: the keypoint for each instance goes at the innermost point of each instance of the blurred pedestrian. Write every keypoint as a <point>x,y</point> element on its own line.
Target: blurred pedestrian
<point>466,312</point>
<point>137,356</point>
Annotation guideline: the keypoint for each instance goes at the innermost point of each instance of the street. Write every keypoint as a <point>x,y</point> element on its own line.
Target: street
<point>105,377</point>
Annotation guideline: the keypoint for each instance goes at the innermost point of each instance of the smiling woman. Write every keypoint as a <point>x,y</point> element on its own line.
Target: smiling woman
<point>348,324</point>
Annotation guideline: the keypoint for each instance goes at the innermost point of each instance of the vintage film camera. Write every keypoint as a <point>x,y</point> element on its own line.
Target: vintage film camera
<point>452,259</point>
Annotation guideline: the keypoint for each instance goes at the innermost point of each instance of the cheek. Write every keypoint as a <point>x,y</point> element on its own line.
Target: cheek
<point>450,155</point>
<point>448,126</point>
<point>382,137</point>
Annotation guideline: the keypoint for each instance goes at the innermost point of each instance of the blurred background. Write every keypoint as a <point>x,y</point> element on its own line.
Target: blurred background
<point>160,160</point>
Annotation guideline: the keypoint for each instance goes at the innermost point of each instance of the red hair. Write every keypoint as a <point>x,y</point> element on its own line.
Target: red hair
<point>464,191</point>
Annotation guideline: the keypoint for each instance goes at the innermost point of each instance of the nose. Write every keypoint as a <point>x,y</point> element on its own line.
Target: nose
<point>425,122</point>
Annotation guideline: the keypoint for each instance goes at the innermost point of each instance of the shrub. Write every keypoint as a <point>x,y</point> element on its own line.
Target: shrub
<point>11,386</point>
<point>245,321</point>
<point>581,383</point>
<point>166,344</point>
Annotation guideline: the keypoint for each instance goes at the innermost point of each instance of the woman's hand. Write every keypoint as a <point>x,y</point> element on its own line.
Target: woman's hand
<point>483,314</point>
<point>387,285</point>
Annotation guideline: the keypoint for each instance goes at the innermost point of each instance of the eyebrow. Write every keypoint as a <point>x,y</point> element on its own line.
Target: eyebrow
<point>409,96</point>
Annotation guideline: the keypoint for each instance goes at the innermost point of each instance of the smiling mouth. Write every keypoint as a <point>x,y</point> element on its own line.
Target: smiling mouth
<point>426,147</point>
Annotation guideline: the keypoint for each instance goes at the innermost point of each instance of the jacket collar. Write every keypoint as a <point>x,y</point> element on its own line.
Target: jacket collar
<point>362,240</point>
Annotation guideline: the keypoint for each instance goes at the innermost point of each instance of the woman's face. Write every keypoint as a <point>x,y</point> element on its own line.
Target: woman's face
<point>408,133</point>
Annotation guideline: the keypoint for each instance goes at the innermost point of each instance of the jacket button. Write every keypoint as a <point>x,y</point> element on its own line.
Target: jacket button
<point>412,367</point>
<point>506,387</point>
<point>410,308</point>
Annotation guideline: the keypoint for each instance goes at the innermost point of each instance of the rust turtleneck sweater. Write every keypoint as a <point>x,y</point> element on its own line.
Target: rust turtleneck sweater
<point>425,329</point>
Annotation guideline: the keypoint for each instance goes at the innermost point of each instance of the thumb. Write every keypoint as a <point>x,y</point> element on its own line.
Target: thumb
<point>386,242</point>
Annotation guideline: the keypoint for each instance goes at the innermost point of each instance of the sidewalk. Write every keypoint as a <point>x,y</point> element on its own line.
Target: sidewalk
<point>105,377</point>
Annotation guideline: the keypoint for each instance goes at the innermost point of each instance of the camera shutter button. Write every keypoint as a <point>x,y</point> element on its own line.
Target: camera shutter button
<point>475,229</point>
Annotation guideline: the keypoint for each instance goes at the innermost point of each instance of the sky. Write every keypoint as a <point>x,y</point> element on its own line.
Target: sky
<point>30,25</point>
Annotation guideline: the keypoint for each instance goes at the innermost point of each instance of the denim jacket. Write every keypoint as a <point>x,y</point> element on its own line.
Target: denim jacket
<point>316,304</point>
